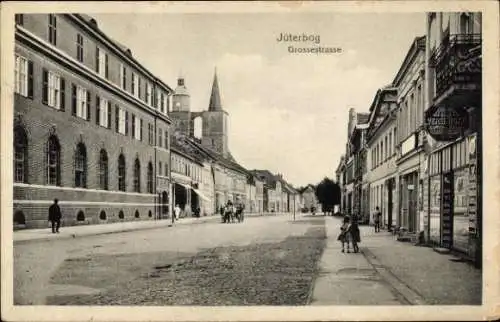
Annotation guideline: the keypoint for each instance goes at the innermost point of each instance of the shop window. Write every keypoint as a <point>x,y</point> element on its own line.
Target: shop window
<point>80,216</point>
<point>102,215</point>
<point>121,215</point>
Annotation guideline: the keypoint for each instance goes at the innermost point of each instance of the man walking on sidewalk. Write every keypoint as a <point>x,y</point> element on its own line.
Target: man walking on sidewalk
<point>55,216</point>
<point>376,219</point>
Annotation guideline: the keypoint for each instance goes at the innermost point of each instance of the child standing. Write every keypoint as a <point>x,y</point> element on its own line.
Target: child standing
<point>345,233</point>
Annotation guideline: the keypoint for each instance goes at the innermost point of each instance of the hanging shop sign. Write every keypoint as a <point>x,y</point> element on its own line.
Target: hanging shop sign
<point>447,210</point>
<point>445,123</point>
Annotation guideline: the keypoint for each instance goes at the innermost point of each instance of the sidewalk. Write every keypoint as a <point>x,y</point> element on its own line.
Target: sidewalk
<point>27,235</point>
<point>388,272</point>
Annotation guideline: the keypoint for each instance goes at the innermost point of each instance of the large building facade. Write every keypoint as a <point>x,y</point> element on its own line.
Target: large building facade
<point>86,118</point>
<point>453,169</point>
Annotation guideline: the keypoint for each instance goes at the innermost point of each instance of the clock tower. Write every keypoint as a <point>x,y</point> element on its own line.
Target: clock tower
<point>181,111</point>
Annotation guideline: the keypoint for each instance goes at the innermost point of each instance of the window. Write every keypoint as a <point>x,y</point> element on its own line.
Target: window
<point>53,161</point>
<point>121,120</point>
<point>160,138</point>
<point>137,176</point>
<point>20,155</point>
<point>166,169</point>
<point>158,99</point>
<point>19,19</point>
<point>390,144</point>
<point>23,75</point>
<point>121,215</point>
<point>103,112</point>
<point>53,90</point>
<point>394,141</point>
<point>136,215</point>
<point>79,48</point>
<point>135,85</point>
<point>137,127</point>
<point>80,102</point>
<point>165,135</point>
<point>150,134</point>
<point>386,155</point>
<point>149,94</point>
<point>52,29</point>
<point>103,170</point>
<point>101,62</point>
<point>81,166</point>
<point>121,173</point>
<point>163,102</point>
<point>123,76</point>
<point>160,168</point>
<point>150,177</point>
<point>102,215</point>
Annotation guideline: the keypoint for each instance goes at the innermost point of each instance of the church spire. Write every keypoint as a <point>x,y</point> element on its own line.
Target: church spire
<point>215,102</point>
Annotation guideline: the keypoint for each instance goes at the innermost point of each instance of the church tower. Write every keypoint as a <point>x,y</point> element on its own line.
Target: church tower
<point>181,110</point>
<point>215,122</point>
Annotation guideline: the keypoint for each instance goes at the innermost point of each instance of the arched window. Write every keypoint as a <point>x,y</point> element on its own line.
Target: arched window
<point>137,214</point>
<point>121,173</point>
<point>150,214</point>
<point>102,215</point>
<point>53,161</point>
<point>81,166</point>
<point>137,176</point>
<point>150,177</point>
<point>121,215</point>
<point>103,170</point>
<point>20,155</point>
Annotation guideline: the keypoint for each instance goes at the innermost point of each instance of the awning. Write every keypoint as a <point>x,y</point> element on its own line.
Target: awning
<point>198,192</point>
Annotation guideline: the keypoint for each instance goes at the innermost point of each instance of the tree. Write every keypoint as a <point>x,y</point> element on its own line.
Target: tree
<point>328,194</point>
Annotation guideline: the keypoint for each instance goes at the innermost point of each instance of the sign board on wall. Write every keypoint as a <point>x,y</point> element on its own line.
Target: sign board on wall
<point>446,123</point>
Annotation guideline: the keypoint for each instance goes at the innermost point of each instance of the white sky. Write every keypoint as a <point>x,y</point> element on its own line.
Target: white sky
<point>288,113</point>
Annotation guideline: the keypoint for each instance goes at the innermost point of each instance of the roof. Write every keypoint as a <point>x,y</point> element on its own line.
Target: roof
<point>216,157</point>
<point>179,145</point>
<point>266,176</point>
<point>215,101</point>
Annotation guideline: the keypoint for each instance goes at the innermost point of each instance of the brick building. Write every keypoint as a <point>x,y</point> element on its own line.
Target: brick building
<point>87,119</point>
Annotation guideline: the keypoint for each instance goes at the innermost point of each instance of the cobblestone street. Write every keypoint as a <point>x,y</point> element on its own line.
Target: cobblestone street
<point>263,261</point>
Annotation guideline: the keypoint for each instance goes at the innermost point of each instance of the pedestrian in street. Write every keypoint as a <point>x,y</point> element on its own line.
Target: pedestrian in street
<point>345,233</point>
<point>377,216</point>
<point>55,216</point>
<point>177,212</point>
<point>355,233</point>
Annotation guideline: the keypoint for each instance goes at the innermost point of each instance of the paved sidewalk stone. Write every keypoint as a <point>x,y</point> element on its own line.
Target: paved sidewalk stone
<point>436,278</point>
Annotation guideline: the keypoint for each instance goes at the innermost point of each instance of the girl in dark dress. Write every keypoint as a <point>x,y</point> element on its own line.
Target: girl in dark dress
<point>355,234</point>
